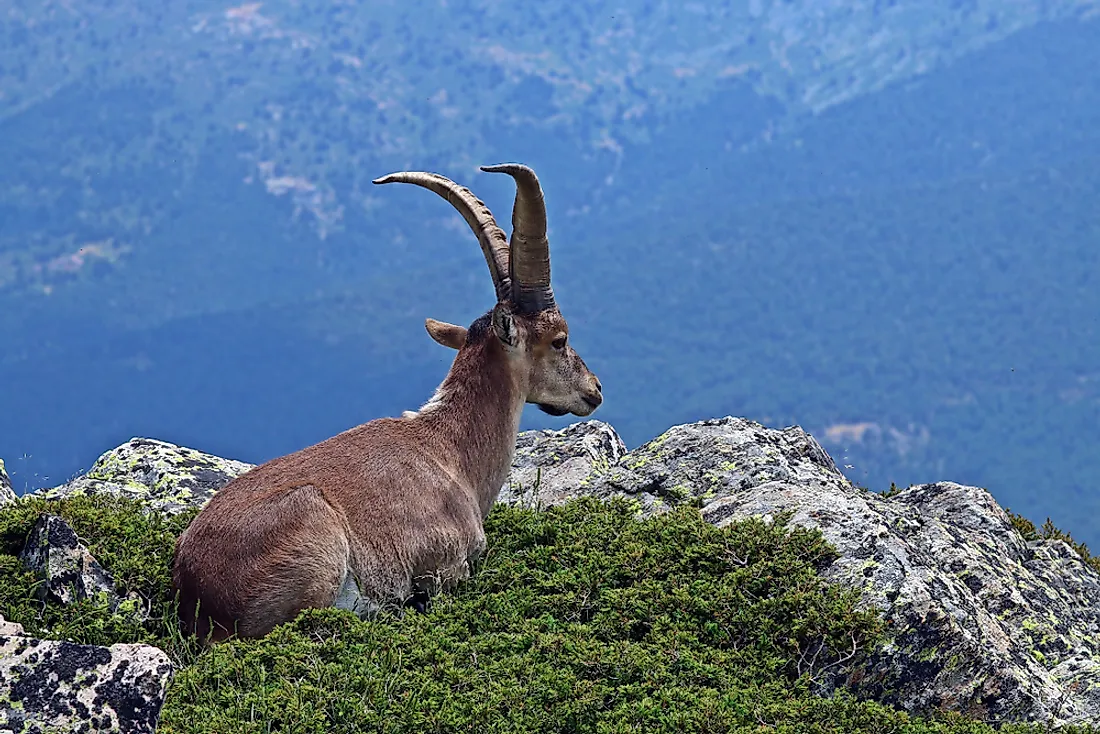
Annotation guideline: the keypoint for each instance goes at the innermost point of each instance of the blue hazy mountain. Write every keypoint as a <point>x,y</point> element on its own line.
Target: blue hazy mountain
<point>878,221</point>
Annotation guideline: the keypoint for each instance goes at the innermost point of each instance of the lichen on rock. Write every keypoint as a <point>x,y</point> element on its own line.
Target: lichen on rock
<point>549,465</point>
<point>49,685</point>
<point>167,477</point>
<point>69,571</point>
<point>957,585</point>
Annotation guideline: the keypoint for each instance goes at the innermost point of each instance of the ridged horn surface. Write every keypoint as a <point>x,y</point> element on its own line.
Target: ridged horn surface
<point>493,241</point>
<point>529,253</point>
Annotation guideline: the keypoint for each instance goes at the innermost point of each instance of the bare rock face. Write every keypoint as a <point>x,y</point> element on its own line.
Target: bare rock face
<point>70,573</point>
<point>167,477</point>
<point>551,465</point>
<point>980,620</point>
<point>46,685</point>
<point>7,494</point>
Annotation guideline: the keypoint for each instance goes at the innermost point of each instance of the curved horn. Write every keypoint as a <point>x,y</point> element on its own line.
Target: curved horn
<point>494,243</point>
<point>529,261</point>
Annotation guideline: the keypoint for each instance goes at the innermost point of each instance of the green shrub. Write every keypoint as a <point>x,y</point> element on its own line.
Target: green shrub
<point>133,545</point>
<point>580,618</point>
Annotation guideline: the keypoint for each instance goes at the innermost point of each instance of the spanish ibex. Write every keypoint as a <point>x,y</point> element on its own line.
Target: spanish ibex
<point>393,509</point>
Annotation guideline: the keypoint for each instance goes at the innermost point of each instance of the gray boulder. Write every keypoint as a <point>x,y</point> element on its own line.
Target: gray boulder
<point>70,573</point>
<point>47,685</point>
<point>172,478</point>
<point>167,477</point>
<point>7,494</point>
<point>552,465</point>
<point>979,619</point>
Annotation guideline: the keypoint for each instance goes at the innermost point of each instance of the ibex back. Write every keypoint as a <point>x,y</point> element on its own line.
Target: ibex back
<point>393,509</point>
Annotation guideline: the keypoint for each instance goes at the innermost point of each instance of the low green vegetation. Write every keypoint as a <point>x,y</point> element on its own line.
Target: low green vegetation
<point>1048,531</point>
<point>580,618</point>
<point>134,546</point>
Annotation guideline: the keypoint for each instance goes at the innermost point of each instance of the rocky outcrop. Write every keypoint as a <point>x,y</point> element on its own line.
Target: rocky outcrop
<point>7,494</point>
<point>698,463</point>
<point>167,477</point>
<point>979,619</point>
<point>69,571</point>
<point>550,466</point>
<point>46,685</point>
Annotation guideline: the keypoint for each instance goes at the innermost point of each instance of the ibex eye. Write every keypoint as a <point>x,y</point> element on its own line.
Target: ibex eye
<point>558,343</point>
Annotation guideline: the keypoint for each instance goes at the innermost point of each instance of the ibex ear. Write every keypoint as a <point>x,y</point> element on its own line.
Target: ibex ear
<point>449,335</point>
<point>504,326</point>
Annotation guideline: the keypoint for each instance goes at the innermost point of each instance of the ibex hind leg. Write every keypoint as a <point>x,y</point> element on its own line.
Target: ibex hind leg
<point>308,564</point>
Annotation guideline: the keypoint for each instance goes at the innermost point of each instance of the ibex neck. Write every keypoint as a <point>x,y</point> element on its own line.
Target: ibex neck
<point>474,417</point>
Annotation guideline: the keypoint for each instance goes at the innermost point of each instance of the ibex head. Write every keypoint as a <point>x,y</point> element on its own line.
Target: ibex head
<point>526,321</point>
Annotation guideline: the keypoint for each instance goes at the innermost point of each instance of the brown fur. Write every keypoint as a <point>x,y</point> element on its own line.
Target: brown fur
<point>396,502</point>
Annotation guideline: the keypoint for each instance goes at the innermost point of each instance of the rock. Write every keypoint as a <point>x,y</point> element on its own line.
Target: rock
<point>7,494</point>
<point>169,478</point>
<point>706,461</point>
<point>977,617</point>
<point>71,574</point>
<point>8,629</point>
<point>549,465</point>
<point>695,463</point>
<point>172,478</point>
<point>47,685</point>
<point>979,620</point>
